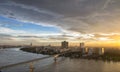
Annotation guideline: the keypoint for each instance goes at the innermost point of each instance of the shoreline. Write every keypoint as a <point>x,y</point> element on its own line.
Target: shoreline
<point>77,55</point>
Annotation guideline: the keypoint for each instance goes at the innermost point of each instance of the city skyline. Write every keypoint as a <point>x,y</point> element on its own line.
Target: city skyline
<point>95,22</point>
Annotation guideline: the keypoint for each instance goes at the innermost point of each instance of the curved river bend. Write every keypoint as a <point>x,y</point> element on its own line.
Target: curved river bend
<point>14,55</point>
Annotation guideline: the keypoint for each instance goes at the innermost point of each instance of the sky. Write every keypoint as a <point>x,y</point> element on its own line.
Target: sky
<point>43,22</point>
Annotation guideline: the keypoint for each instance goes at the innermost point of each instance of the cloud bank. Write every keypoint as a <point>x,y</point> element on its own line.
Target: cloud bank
<point>87,16</point>
<point>82,17</point>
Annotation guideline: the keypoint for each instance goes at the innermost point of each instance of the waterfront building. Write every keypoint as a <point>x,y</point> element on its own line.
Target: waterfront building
<point>90,51</point>
<point>101,51</point>
<point>64,44</point>
<point>82,45</point>
<point>82,48</point>
<point>96,51</point>
<point>31,44</point>
<point>86,50</point>
<point>48,47</point>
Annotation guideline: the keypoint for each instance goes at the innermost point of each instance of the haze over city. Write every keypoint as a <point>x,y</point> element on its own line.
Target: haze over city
<point>43,22</point>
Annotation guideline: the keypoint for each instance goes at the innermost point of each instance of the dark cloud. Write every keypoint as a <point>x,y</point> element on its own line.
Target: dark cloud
<point>5,35</point>
<point>85,16</point>
<point>65,7</point>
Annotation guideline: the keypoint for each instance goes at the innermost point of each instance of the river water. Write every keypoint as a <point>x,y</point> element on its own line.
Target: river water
<point>14,55</point>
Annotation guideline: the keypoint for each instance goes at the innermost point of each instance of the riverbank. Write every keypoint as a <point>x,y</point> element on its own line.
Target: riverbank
<point>107,56</point>
<point>11,56</point>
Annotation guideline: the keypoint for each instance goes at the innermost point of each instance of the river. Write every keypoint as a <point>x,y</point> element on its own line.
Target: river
<point>14,55</point>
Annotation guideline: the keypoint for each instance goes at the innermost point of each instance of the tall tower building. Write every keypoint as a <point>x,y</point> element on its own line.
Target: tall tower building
<point>86,50</point>
<point>82,45</point>
<point>82,48</point>
<point>101,51</point>
<point>31,44</point>
<point>64,44</point>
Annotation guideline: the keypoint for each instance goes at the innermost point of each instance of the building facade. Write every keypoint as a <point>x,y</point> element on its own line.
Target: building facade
<point>82,47</point>
<point>101,51</point>
<point>64,44</point>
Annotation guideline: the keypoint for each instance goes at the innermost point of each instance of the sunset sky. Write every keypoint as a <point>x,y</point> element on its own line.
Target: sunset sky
<point>43,22</point>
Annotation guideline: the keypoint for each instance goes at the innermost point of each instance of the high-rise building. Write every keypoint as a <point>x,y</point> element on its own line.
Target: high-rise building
<point>82,45</point>
<point>101,51</point>
<point>82,48</point>
<point>64,44</point>
<point>86,50</point>
<point>90,51</point>
<point>30,44</point>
